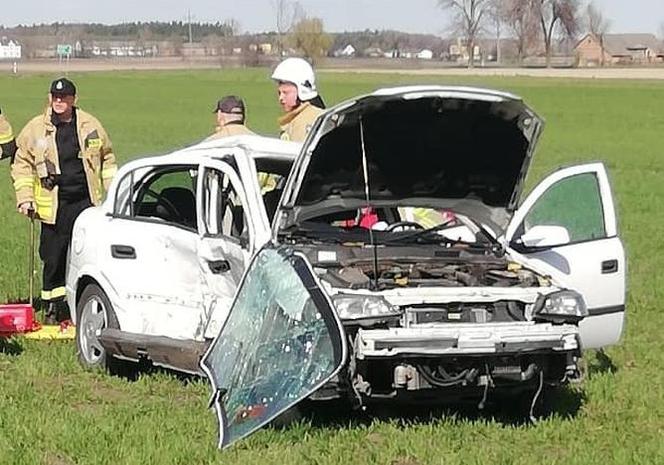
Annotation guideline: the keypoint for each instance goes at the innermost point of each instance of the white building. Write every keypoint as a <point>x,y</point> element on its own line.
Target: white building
<point>9,50</point>
<point>425,54</point>
<point>348,51</point>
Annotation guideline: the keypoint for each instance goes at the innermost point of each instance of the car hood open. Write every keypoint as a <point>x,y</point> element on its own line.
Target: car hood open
<point>444,147</point>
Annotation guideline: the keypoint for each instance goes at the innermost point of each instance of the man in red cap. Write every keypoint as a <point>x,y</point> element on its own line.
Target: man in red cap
<point>63,165</point>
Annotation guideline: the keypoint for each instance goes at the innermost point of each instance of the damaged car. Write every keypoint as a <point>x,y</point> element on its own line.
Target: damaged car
<point>404,264</point>
<point>401,263</point>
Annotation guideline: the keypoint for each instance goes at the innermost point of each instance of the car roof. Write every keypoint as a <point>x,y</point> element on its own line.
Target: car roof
<point>257,147</point>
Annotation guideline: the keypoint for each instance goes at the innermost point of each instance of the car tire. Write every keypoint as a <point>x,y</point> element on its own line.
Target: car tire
<point>94,312</point>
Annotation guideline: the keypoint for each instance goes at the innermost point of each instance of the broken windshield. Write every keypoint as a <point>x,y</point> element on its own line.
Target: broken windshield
<point>280,343</point>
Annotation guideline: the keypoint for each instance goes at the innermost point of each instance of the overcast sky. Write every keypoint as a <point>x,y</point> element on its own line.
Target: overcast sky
<point>258,15</point>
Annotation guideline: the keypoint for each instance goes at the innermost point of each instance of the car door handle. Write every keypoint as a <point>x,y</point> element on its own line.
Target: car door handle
<point>219,266</point>
<point>123,252</point>
<point>609,266</point>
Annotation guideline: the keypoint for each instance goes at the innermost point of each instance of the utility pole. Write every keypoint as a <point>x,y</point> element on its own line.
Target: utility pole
<point>189,21</point>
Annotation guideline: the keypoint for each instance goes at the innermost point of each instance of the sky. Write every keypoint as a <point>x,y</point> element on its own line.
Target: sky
<point>258,15</point>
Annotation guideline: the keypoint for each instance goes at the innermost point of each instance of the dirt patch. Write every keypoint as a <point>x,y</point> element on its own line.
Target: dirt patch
<point>331,65</point>
<point>57,458</point>
<point>567,73</point>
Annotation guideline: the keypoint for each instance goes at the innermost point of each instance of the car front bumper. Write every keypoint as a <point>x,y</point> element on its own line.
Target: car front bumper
<point>466,339</point>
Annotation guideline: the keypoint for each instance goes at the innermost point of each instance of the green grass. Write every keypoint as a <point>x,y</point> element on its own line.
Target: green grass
<point>53,412</point>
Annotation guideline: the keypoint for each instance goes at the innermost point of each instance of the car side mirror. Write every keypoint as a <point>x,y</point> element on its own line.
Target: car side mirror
<point>545,236</point>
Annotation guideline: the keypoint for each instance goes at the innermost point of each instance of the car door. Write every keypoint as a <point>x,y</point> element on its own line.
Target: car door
<point>152,259</point>
<point>227,238</point>
<point>281,342</point>
<point>592,262</point>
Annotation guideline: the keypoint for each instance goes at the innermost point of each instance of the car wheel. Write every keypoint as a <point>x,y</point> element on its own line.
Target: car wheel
<point>94,313</point>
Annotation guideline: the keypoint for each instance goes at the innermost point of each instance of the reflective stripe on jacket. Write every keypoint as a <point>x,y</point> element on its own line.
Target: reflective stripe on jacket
<point>37,160</point>
<point>7,142</point>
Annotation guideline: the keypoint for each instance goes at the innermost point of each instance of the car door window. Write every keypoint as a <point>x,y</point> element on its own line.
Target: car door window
<point>223,211</point>
<point>575,203</point>
<point>165,193</point>
<point>281,342</point>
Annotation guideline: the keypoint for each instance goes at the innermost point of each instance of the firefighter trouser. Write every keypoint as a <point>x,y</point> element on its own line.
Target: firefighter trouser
<point>53,246</point>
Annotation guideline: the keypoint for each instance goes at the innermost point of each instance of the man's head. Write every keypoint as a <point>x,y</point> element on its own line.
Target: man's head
<point>229,109</point>
<point>62,96</point>
<point>296,83</point>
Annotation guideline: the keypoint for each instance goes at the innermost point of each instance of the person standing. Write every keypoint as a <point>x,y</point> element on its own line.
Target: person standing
<point>63,164</point>
<point>230,118</point>
<point>298,97</point>
<point>7,141</point>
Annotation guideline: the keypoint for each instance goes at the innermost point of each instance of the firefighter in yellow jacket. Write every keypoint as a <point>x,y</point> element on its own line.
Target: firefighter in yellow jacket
<point>7,141</point>
<point>63,165</point>
<point>298,97</point>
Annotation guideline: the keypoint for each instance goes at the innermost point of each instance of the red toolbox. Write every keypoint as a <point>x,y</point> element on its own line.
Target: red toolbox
<point>16,319</point>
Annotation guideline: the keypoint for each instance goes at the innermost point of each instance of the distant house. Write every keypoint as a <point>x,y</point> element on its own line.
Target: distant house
<point>425,54</point>
<point>199,49</point>
<point>117,48</point>
<point>9,50</point>
<point>408,52</point>
<point>265,48</point>
<point>373,52</point>
<point>459,51</point>
<point>346,52</point>
<point>615,49</point>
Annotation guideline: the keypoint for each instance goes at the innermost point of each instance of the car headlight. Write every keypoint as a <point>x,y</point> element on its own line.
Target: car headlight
<point>561,306</point>
<point>356,307</point>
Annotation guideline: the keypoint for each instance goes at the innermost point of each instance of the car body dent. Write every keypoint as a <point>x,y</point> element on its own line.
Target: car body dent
<point>205,301</point>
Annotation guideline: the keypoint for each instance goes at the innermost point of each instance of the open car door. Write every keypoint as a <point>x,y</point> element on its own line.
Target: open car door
<point>282,341</point>
<point>591,260</point>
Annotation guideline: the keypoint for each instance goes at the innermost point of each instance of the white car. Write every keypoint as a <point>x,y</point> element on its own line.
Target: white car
<point>401,263</point>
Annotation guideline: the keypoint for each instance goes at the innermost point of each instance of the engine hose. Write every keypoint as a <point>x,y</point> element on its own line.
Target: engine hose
<point>447,377</point>
<point>463,377</point>
<point>530,372</point>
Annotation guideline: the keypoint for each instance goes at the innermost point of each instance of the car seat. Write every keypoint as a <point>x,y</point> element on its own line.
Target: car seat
<point>184,202</point>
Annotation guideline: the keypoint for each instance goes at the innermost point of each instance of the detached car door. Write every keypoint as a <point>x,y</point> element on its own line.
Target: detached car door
<point>281,342</point>
<point>592,261</point>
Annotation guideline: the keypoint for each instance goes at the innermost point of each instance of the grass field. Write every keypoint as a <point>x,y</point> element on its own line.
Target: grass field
<point>52,412</point>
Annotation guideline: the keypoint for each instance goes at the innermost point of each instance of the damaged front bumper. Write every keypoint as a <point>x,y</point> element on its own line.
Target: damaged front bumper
<point>449,361</point>
<point>466,339</point>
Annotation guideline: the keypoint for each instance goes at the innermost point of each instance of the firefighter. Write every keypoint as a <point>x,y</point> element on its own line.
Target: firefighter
<point>7,141</point>
<point>63,164</point>
<point>230,116</point>
<point>298,97</point>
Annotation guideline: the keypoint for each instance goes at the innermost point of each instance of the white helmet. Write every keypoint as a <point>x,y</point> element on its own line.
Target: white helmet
<point>299,72</point>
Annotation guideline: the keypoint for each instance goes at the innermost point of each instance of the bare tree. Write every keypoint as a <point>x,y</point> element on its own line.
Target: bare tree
<point>309,38</point>
<point>522,21</point>
<point>496,14</point>
<point>661,30</point>
<point>287,14</point>
<point>556,17</point>
<point>469,16</point>
<point>597,25</point>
